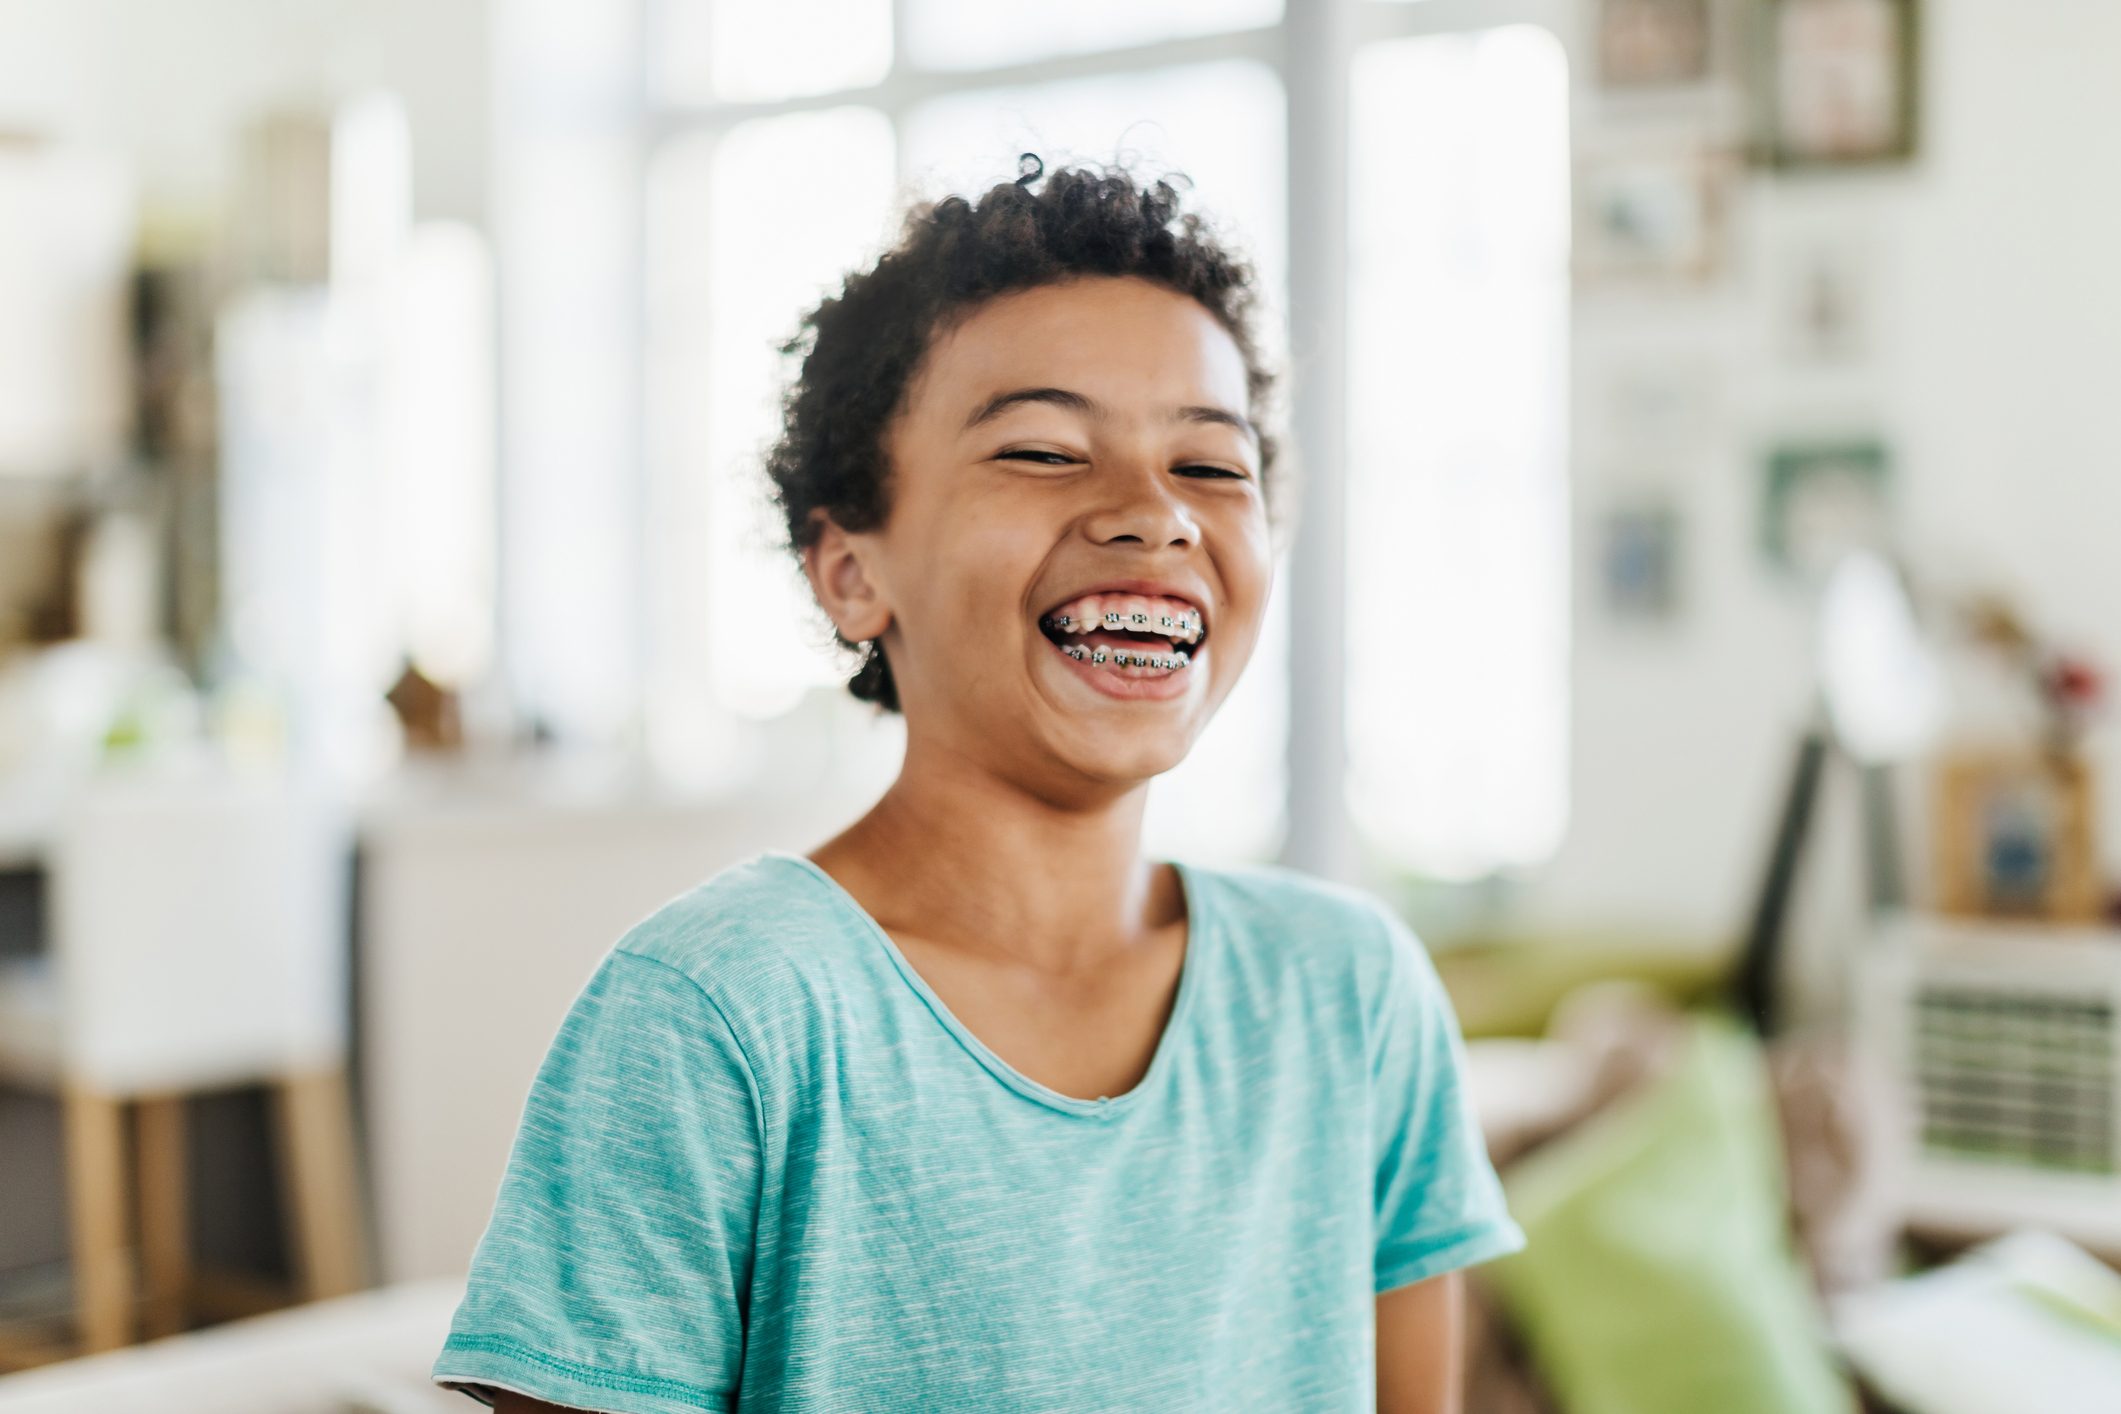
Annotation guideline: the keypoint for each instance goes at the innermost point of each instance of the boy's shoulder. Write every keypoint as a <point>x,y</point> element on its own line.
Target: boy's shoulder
<point>1289,890</point>
<point>1278,904</point>
<point>749,930</point>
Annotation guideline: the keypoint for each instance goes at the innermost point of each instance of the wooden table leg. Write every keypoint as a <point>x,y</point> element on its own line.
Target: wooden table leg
<point>165,1214</point>
<point>321,1183</point>
<point>97,1213</point>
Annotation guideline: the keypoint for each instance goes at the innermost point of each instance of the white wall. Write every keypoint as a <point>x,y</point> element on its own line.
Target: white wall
<point>1996,378</point>
<point>171,81</point>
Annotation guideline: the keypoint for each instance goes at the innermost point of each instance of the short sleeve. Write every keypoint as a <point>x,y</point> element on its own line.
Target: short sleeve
<point>1440,1204</point>
<point>614,1272</point>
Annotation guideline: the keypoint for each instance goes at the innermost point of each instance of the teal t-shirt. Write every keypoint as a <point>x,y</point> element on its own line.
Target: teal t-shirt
<point>763,1167</point>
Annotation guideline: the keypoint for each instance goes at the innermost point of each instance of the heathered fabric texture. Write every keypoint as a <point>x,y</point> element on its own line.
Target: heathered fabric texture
<point>763,1167</point>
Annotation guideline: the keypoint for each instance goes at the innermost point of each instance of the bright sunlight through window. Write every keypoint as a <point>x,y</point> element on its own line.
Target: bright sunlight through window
<point>728,284</point>
<point>1457,478</point>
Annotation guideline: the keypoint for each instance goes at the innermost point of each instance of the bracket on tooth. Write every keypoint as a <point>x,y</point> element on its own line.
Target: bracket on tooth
<point>1171,624</point>
<point>1123,658</point>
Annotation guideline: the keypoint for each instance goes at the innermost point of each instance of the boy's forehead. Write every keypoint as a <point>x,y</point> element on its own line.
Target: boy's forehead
<point>1121,349</point>
<point>1086,318</point>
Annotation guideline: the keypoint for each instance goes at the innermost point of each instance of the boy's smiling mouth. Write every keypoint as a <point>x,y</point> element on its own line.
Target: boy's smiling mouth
<point>1150,637</point>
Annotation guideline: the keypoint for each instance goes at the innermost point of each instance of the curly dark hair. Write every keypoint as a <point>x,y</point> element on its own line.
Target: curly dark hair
<point>861,346</point>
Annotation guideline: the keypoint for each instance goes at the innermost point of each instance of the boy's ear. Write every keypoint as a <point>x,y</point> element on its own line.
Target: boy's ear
<point>850,597</point>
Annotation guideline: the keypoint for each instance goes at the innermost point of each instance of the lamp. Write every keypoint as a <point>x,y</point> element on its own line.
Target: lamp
<point>1877,701</point>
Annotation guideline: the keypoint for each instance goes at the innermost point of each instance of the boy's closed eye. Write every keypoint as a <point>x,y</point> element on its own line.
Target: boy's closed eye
<point>1060,458</point>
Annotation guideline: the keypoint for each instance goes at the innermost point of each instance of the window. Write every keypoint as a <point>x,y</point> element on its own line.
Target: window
<point>975,34</point>
<point>1457,487</point>
<point>740,51</point>
<point>727,282</point>
<point>729,270</point>
<point>1454,581</point>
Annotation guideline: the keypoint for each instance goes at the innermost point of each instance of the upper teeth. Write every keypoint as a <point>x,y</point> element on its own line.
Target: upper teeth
<point>1173,618</point>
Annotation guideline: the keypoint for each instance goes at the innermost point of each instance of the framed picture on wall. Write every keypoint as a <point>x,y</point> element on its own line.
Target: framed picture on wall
<point>1822,499</point>
<point>2015,837</point>
<point>1837,82</point>
<point>1653,43</point>
<point>1638,561</point>
<point>1823,291</point>
<point>1650,210</point>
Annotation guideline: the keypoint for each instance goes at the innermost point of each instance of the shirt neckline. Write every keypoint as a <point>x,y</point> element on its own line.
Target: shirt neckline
<point>1199,927</point>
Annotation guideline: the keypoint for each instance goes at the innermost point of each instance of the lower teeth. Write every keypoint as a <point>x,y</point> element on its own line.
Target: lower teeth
<point>1125,658</point>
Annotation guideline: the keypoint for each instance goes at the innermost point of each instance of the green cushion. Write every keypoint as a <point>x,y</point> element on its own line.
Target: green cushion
<point>1658,1275</point>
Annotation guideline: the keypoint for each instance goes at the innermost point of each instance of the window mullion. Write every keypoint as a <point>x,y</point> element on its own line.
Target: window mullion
<point>1319,43</point>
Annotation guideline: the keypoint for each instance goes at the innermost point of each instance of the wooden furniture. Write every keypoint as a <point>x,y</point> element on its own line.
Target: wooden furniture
<point>197,943</point>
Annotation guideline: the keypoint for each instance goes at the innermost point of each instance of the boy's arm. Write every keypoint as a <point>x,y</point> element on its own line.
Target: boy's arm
<point>1421,1346</point>
<point>613,1273</point>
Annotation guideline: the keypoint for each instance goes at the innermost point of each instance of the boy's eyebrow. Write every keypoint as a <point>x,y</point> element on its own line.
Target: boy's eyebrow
<point>1079,402</point>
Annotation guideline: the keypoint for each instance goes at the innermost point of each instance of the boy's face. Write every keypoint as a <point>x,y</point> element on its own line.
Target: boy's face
<point>999,521</point>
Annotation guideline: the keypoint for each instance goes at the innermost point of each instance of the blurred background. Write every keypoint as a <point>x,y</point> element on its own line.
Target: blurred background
<point>1698,621</point>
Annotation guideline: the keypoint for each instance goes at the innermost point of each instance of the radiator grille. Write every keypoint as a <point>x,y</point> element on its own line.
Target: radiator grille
<point>2019,1077</point>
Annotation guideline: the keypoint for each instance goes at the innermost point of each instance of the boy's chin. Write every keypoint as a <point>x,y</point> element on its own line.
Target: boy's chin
<point>1154,751</point>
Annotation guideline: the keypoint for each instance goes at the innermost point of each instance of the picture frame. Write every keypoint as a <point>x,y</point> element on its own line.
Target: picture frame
<point>1653,44</point>
<point>1821,498</point>
<point>1823,293</point>
<point>1650,211</point>
<point>1837,82</point>
<point>1639,561</point>
<point>2015,837</point>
